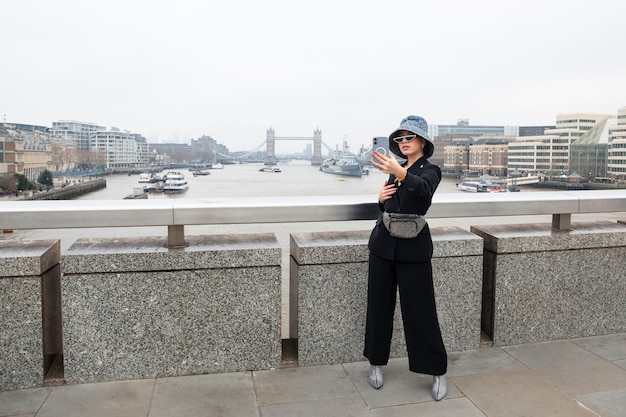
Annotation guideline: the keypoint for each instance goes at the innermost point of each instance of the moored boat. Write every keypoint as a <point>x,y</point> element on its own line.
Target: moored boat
<point>145,177</point>
<point>270,169</point>
<point>344,163</point>
<point>175,182</point>
<point>138,193</point>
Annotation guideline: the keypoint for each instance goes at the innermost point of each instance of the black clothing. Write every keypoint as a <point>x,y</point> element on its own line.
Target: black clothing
<point>404,265</point>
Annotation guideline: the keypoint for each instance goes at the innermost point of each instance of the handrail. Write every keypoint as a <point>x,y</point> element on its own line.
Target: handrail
<point>176,213</point>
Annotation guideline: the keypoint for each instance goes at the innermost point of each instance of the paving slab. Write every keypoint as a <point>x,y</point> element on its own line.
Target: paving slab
<point>307,383</point>
<point>518,392</point>
<point>400,387</point>
<point>224,395</point>
<point>570,367</point>
<point>606,404</point>
<point>445,408</point>
<point>22,401</point>
<point>350,406</point>
<point>106,399</point>
<point>611,347</point>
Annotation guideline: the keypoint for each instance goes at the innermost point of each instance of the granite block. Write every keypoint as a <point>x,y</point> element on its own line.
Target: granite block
<point>28,257</point>
<point>210,315</point>
<point>537,290</point>
<point>212,251</point>
<point>329,284</point>
<point>28,332</point>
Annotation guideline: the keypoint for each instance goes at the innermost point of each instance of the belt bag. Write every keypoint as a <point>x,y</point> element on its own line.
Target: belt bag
<point>403,225</point>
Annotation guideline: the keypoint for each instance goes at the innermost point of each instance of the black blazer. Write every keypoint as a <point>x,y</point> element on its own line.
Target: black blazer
<point>413,196</point>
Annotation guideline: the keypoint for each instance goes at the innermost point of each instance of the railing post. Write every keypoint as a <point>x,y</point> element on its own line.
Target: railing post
<point>562,221</point>
<point>176,236</point>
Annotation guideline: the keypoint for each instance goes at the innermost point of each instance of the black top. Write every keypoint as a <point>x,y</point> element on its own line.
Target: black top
<point>413,196</point>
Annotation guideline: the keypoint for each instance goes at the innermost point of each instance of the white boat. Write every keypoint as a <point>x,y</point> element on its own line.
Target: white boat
<point>473,186</point>
<point>200,173</point>
<point>145,177</point>
<point>217,166</point>
<point>480,186</point>
<point>270,169</point>
<point>175,182</point>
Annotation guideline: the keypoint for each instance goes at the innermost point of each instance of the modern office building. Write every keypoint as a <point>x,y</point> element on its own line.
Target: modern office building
<point>550,153</point>
<point>77,132</point>
<point>119,149</point>
<point>464,128</point>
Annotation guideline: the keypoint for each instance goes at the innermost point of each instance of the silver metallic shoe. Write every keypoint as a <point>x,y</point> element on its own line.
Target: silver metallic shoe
<point>440,387</point>
<point>376,376</point>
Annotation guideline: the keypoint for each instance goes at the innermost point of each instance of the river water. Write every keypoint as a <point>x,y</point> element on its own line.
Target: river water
<point>298,178</point>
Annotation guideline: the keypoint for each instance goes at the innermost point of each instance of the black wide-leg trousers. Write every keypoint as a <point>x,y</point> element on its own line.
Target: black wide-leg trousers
<point>413,281</point>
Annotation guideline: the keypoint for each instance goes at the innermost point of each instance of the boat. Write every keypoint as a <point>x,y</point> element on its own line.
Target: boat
<point>200,173</point>
<point>270,169</point>
<point>344,163</point>
<point>175,182</point>
<point>473,186</point>
<point>217,166</point>
<point>145,177</point>
<point>481,186</point>
<point>138,193</point>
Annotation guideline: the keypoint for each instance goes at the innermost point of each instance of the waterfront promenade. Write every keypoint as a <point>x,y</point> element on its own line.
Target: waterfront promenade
<point>583,377</point>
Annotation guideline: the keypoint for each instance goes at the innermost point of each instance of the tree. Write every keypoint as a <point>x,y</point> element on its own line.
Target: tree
<point>8,183</point>
<point>22,182</point>
<point>45,178</point>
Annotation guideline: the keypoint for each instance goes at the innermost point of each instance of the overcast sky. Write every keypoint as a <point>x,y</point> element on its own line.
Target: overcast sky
<point>177,70</point>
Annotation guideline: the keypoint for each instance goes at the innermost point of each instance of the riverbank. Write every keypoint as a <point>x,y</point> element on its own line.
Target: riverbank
<point>70,192</point>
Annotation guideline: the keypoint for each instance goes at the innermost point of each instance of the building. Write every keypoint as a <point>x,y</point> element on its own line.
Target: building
<point>550,153</point>
<point>119,149</point>
<point>77,132</point>
<point>464,128</point>
<point>31,152</point>
<point>478,155</point>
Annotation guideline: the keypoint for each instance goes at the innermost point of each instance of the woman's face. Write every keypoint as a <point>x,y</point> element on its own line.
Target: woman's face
<point>411,144</point>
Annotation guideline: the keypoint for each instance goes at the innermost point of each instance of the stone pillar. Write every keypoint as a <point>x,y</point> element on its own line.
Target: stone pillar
<point>329,293</point>
<point>132,308</point>
<point>541,284</point>
<point>30,322</point>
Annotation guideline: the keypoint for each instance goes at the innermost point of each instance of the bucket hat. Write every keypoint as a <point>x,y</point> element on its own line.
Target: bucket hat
<point>413,124</point>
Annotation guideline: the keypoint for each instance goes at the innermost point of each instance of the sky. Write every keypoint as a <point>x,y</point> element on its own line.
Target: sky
<point>177,70</point>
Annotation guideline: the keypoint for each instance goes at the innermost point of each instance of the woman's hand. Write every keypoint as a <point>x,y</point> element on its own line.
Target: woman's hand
<point>387,164</point>
<point>386,192</point>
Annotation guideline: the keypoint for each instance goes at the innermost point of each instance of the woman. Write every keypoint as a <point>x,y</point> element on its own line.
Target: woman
<point>404,263</point>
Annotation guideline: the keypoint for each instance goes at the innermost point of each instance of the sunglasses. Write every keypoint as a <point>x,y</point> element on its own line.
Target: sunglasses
<point>407,138</point>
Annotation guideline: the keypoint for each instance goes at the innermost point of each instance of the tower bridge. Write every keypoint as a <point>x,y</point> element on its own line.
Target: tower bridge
<point>270,147</point>
<point>271,138</point>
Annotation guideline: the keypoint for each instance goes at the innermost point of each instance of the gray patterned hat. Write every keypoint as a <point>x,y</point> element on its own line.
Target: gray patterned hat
<point>417,125</point>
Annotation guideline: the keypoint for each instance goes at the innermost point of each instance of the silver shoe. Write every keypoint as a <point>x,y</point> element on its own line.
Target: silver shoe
<point>376,376</point>
<point>440,387</point>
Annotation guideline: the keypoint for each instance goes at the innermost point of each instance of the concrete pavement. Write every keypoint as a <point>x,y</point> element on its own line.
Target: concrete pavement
<point>571,378</point>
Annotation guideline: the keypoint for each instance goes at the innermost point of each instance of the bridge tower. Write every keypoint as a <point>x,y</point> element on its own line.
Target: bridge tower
<point>270,156</point>
<point>317,148</point>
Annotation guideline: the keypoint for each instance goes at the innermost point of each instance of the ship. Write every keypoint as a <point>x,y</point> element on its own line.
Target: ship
<point>345,163</point>
<point>175,182</point>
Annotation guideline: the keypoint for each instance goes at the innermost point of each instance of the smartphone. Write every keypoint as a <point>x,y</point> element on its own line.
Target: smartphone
<point>381,144</point>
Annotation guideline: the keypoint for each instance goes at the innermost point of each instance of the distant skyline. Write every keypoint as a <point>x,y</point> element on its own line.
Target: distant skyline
<point>176,71</point>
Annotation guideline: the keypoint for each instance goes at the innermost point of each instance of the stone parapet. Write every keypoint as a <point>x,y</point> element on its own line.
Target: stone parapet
<point>30,322</point>
<point>541,284</point>
<point>133,308</point>
<point>328,285</point>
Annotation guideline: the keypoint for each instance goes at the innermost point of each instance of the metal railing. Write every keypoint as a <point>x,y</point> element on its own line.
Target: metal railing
<point>176,213</point>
